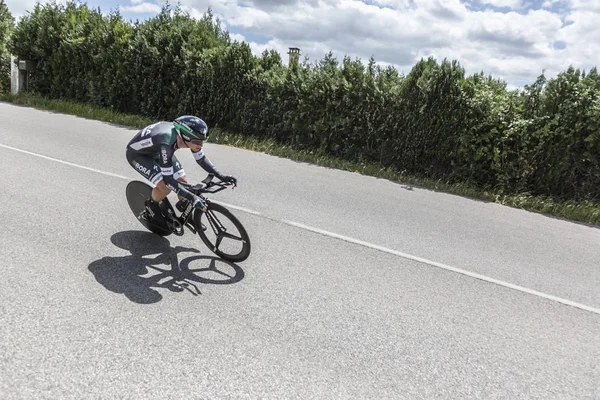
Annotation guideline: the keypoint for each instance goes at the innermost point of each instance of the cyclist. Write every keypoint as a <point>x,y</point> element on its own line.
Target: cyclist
<point>151,152</point>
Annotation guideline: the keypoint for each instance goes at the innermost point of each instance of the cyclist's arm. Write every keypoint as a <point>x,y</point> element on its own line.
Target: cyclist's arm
<point>205,163</point>
<point>166,166</point>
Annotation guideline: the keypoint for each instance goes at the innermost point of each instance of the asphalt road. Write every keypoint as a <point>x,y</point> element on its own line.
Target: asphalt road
<point>356,287</point>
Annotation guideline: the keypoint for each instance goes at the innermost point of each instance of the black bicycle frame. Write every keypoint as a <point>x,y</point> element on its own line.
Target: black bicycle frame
<point>184,217</point>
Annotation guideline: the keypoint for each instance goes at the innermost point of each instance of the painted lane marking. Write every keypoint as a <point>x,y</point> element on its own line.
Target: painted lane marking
<point>361,243</point>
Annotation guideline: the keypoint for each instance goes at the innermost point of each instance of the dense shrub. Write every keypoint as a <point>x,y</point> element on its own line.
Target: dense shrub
<point>6,26</point>
<point>434,122</point>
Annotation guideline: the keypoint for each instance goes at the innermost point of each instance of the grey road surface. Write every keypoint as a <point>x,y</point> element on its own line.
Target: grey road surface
<point>90,307</point>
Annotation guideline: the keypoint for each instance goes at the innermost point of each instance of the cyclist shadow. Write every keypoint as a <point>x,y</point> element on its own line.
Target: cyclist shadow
<point>126,275</point>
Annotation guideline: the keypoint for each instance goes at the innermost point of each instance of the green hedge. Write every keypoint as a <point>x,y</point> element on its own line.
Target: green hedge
<point>6,26</point>
<point>434,122</point>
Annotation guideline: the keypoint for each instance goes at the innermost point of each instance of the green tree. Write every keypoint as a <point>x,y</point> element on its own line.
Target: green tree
<point>6,26</point>
<point>434,122</point>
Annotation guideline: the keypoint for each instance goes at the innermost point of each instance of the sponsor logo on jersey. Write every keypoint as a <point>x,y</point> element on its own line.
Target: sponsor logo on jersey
<point>142,169</point>
<point>198,155</point>
<point>142,144</point>
<point>164,155</point>
<point>167,171</point>
<point>147,130</point>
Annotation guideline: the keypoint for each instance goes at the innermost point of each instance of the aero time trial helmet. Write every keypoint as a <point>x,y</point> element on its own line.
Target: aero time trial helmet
<point>191,129</point>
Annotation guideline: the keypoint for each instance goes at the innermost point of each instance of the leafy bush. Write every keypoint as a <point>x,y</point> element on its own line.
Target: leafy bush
<point>434,122</point>
<point>6,26</point>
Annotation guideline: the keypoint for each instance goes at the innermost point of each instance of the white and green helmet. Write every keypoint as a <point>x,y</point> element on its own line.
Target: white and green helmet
<point>191,129</point>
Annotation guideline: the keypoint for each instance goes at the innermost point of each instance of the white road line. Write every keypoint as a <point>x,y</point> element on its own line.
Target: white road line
<point>446,267</point>
<point>66,162</point>
<point>362,243</point>
<point>241,208</point>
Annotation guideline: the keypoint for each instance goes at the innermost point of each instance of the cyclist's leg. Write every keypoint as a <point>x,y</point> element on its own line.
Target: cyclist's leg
<point>145,166</point>
<point>149,168</point>
<point>178,173</point>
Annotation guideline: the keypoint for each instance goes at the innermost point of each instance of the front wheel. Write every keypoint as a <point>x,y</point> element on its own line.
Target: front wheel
<point>219,235</point>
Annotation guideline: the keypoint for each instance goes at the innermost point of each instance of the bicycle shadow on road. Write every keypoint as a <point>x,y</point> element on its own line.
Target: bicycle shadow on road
<point>138,276</point>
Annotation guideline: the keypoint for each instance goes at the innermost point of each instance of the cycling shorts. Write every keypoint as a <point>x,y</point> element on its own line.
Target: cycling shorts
<point>149,167</point>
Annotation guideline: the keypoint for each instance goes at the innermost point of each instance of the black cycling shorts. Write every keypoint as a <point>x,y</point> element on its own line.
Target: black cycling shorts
<point>149,167</point>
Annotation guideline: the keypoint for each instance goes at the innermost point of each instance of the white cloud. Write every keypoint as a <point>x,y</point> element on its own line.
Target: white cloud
<point>238,37</point>
<point>550,3</point>
<point>141,8</point>
<point>18,8</point>
<point>586,5</point>
<point>397,4</point>
<point>515,46</point>
<point>512,4</point>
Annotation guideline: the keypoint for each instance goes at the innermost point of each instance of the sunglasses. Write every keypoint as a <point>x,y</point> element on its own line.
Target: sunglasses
<point>197,141</point>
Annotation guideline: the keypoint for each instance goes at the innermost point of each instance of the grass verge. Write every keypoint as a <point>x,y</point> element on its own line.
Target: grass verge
<point>584,211</point>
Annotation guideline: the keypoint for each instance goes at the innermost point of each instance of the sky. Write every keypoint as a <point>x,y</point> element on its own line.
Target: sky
<point>514,40</point>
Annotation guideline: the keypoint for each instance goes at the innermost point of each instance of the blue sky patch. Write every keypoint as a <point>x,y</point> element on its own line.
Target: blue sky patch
<point>527,5</point>
<point>560,45</point>
<point>250,36</point>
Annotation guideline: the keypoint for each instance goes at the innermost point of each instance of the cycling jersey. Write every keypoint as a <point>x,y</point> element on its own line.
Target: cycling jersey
<point>151,152</point>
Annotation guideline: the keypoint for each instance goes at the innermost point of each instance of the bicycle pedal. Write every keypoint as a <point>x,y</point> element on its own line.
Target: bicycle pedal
<point>175,226</point>
<point>143,216</point>
<point>176,230</point>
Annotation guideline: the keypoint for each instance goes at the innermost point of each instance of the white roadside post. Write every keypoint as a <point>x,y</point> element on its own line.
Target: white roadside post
<point>19,75</point>
<point>14,76</point>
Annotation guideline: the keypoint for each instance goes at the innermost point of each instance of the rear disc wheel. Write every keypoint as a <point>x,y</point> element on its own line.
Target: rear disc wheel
<point>137,193</point>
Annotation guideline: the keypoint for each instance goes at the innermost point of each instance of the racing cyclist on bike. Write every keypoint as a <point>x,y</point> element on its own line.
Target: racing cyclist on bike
<point>151,152</point>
